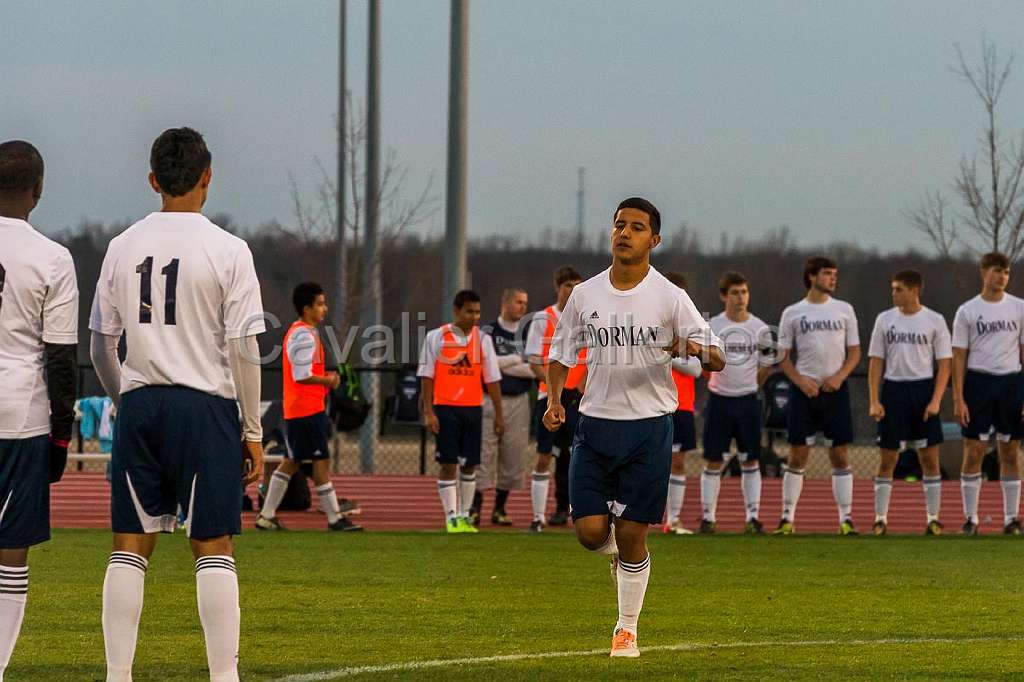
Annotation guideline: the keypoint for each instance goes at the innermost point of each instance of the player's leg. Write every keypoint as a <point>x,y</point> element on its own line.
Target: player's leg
<point>837,426</point>
<point>887,458</point>
<point>970,482</point>
<point>892,429</point>
<point>511,454</point>
<point>1009,480</point>
<point>541,476</point>
<point>563,457</point>
<point>13,596</point>
<point>710,484</point>
<point>447,457</point>
<point>217,599</point>
<point>123,594</point>
<point>684,440</point>
<point>979,396</point>
<point>800,427</point>
<point>718,435</point>
<point>590,493</point>
<point>747,432</point>
<point>932,483</point>
<point>278,486</point>
<point>337,516</point>
<point>486,473</point>
<point>471,419</point>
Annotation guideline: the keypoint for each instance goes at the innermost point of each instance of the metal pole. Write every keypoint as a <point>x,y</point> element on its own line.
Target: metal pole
<point>340,302</point>
<point>371,251</point>
<point>455,198</point>
<point>580,233</point>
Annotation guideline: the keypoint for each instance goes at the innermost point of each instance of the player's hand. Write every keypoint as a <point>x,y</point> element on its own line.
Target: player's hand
<point>499,425</point>
<point>832,384</point>
<point>876,412</point>
<point>931,410</point>
<point>675,348</point>
<point>335,379</point>
<point>554,417</point>
<point>252,461</point>
<point>58,458</point>
<point>808,386</point>
<point>432,422</point>
<point>962,414</point>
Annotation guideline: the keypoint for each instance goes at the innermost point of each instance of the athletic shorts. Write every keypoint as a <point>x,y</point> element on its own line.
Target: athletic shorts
<point>176,449</point>
<point>994,402</point>
<point>458,441</point>
<point>828,413</point>
<point>621,467</point>
<point>556,442</point>
<point>24,492</point>
<point>684,431</point>
<point>904,424</point>
<point>307,438</point>
<point>728,418</point>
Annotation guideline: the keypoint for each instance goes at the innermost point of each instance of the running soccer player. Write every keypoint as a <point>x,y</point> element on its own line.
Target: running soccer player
<point>684,431</point>
<point>184,293</point>
<point>733,412</point>
<point>632,320</point>
<point>907,340</point>
<point>538,345</point>
<point>823,333</point>
<point>457,362</point>
<point>988,389</point>
<point>307,427</point>
<point>38,343</point>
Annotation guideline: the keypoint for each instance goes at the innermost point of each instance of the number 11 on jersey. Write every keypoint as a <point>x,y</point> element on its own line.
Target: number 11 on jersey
<point>170,271</point>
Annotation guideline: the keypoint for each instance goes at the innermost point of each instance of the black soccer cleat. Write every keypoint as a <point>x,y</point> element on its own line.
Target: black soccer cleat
<point>1012,528</point>
<point>344,524</point>
<point>706,527</point>
<point>754,527</point>
<point>500,518</point>
<point>970,528</point>
<point>559,518</point>
<point>474,517</point>
<point>880,528</point>
<point>934,528</point>
<point>535,527</point>
<point>263,523</point>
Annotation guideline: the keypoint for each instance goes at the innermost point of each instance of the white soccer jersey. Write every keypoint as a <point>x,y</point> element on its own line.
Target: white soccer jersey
<point>629,372</point>
<point>179,287</point>
<point>992,334</point>
<point>910,344</point>
<point>748,347</point>
<point>38,304</point>
<point>820,333</point>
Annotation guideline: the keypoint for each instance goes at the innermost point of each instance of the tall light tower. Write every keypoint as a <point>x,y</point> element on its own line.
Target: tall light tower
<point>340,298</point>
<point>455,196</point>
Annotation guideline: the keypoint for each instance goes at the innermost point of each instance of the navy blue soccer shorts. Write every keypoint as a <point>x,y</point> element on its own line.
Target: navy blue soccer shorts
<point>732,418</point>
<point>828,413</point>
<point>458,440</point>
<point>176,449</point>
<point>994,402</point>
<point>307,438</point>
<point>621,467</point>
<point>24,492</point>
<point>684,431</point>
<point>903,423</point>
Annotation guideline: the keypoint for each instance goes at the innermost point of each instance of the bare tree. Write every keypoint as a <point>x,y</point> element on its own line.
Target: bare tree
<point>314,218</point>
<point>988,184</point>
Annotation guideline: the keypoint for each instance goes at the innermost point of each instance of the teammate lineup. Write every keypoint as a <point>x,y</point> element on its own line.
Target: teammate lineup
<point>617,356</point>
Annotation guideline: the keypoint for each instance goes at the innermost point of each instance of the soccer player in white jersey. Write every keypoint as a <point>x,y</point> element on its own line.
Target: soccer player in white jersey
<point>38,342</point>
<point>184,293</point>
<point>733,412</point>
<point>988,393</point>
<point>632,320</point>
<point>906,342</point>
<point>823,333</point>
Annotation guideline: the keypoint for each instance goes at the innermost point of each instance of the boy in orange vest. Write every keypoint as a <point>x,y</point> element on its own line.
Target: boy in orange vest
<point>307,428</point>
<point>457,361</point>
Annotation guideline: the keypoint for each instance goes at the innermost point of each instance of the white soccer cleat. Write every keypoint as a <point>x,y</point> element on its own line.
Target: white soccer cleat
<point>624,645</point>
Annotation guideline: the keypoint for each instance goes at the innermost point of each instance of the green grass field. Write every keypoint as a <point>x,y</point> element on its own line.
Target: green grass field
<point>720,607</point>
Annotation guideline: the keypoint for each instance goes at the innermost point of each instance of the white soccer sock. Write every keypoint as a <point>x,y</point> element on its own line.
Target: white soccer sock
<point>632,579</point>
<point>467,488</point>
<point>751,484</point>
<point>328,501</point>
<point>970,489</point>
<point>275,493</point>
<point>710,482</point>
<point>13,595</point>
<point>792,484</point>
<point>932,496</point>
<point>123,589</point>
<point>449,494</point>
<point>676,491</point>
<point>539,493</point>
<point>217,596</point>
<point>842,490</point>
<point>883,493</point>
<point>1011,497</point>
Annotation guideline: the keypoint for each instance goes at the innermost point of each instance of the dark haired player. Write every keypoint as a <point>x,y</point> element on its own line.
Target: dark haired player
<point>457,363</point>
<point>823,333</point>
<point>988,389</point>
<point>631,320</point>
<point>907,342</point>
<point>184,293</point>
<point>38,342</point>
<point>307,427</point>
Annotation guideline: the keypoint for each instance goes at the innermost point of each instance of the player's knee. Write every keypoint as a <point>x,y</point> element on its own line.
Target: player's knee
<point>712,466</point>
<point>217,546</point>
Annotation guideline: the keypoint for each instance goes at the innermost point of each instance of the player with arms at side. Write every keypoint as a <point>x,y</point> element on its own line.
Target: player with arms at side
<point>906,342</point>
<point>733,412</point>
<point>307,427</point>
<point>184,293</point>
<point>988,388</point>
<point>38,365</point>
<point>632,320</point>
<point>457,363</point>
<point>823,333</point>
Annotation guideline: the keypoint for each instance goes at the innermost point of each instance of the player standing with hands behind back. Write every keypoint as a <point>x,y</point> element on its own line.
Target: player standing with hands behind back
<point>632,320</point>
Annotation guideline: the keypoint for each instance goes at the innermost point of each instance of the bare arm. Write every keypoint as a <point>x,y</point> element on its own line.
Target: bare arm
<point>963,415</point>
<point>941,380</point>
<point>537,367</point>
<point>876,367</point>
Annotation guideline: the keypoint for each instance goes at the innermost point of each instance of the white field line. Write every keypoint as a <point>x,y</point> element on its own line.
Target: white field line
<point>412,666</point>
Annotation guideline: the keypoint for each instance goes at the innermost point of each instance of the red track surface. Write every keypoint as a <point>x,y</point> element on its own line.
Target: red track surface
<point>82,500</point>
